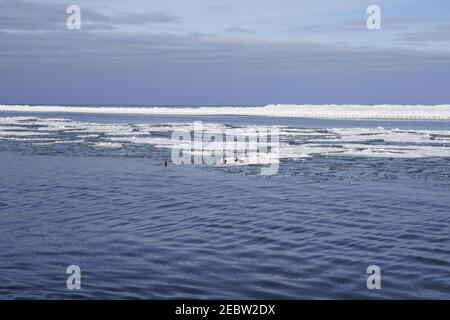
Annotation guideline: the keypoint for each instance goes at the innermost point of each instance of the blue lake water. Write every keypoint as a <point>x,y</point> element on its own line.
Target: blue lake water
<point>139,230</point>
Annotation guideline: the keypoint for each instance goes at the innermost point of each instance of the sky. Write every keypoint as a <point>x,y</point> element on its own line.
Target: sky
<point>234,52</point>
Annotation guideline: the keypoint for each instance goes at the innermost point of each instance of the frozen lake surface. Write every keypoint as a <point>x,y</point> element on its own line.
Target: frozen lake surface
<point>89,190</point>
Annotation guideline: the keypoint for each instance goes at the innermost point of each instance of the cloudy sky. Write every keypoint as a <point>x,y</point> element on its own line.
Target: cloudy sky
<point>231,52</point>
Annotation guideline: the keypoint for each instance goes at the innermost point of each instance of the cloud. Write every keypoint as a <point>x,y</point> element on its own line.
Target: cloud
<point>356,25</point>
<point>115,67</point>
<point>438,33</point>
<point>57,65</point>
<point>239,30</point>
<point>20,15</point>
<point>130,18</point>
<point>116,49</point>
<point>343,26</point>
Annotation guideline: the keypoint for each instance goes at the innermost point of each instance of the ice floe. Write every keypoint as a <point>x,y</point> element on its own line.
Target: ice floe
<point>423,112</point>
<point>294,143</point>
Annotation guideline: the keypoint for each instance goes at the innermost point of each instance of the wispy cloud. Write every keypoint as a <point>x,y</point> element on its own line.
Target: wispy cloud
<point>20,15</point>
<point>437,33</point>
<point>239,30</point>
<point>197,65</point>
<point>130,18</point>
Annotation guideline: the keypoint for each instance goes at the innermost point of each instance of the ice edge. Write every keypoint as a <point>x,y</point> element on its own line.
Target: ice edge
<point>414,112</point>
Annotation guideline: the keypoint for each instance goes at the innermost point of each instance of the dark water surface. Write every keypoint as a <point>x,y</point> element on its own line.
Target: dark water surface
<point>138,230</point>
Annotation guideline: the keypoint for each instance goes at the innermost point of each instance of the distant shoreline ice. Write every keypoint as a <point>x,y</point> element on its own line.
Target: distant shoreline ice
<point>395,112</point>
